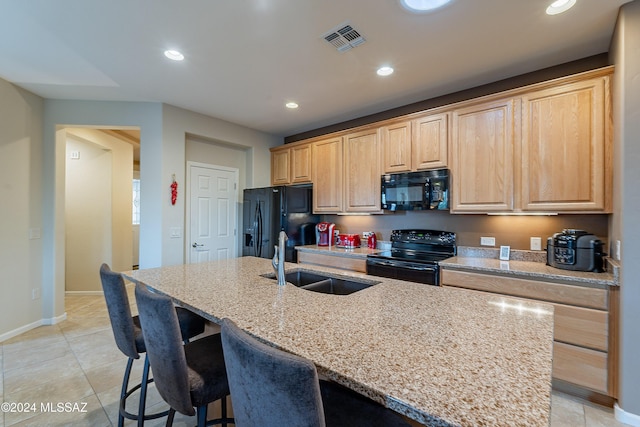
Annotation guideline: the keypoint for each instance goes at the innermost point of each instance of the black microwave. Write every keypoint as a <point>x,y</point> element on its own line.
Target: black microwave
<point>415,191</point>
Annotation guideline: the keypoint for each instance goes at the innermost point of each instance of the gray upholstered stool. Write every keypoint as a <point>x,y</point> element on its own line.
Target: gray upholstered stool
<point>273,388</point>
<point>186,376</point>
<point>128,336</point>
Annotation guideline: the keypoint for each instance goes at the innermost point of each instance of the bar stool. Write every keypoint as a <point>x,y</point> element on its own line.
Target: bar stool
<point>273,388</point>
<point>186,376</point>
<point>129,339</point>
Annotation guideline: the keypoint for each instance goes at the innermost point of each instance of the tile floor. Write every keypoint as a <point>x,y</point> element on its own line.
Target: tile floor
<point>77,361</point>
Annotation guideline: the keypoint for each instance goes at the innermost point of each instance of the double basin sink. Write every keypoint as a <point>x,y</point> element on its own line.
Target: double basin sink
<point>325,284</point>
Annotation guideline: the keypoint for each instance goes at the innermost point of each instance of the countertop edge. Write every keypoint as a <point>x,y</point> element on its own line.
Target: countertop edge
<point>527,270</point>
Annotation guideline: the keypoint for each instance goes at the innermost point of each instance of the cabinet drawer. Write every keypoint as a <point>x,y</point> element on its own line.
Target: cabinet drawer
<point>344,263</point>
<point>580,366</point>
<point>581,326</point>
<point>553,292</point>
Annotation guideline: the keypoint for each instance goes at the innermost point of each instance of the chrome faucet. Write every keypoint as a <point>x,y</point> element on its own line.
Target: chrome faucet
<point>278,258</point>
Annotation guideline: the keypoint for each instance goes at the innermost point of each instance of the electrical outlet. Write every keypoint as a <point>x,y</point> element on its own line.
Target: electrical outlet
<point>35,293</point>
<point>487,241</point>
<point>536,244</point>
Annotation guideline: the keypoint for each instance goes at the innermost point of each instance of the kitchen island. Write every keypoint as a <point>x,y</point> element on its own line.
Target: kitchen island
<point>440,356</point>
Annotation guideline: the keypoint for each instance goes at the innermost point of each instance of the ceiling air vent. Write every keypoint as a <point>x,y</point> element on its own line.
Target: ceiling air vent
<point>344,37</point>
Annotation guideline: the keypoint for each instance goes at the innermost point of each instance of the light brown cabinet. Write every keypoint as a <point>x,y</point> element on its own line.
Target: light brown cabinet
<point>327,169</point>
<point>301,164</point>
<point>291,164</point>
<point>362,171</point>
<point>335,261</point>
<point>418,144</point>
<point>280,166</point>
<point>396,147</point>
<point>430,141</point>
<point>585,319</point>
<point>540,148</point>
<point>482,158</point>
<point>564,143</point>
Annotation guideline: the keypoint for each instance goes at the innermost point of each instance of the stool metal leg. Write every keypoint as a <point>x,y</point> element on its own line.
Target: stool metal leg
<point>140,417</point>
<point>143,392</point>
<point>123,393</point>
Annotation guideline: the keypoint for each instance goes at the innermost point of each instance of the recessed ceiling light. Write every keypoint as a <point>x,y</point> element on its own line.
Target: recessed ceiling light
<point>560,6</point>
<point>384,71</point>
<point>174,55</point>
<point>421,6</point>
<point>291,105</point>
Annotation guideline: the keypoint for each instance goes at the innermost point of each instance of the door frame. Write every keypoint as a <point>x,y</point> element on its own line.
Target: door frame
<point>187,215</point>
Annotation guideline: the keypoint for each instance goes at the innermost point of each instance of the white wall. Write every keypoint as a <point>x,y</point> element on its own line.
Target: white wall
<point>98,207</point>
<point>163,131</point>
<point>20,208</point>
<point>177,125</point>
<point>625,54</point>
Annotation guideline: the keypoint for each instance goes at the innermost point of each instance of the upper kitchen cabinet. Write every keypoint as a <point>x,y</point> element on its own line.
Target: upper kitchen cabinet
<point>396,147</point>
<point>430,141</point>
<point>565,145</point>
<point>291,164</point>
<point>280,166</point>
<point>482,157</point>
<point>418,144</point>
<point>327,170</point>
<point>301,164</point>
<point>362,171</point>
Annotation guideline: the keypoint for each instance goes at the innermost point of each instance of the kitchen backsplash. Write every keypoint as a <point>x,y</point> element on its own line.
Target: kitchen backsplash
<point>513,231</point>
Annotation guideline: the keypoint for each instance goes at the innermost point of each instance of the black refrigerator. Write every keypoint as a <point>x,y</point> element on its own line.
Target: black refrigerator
<point>267,211</point>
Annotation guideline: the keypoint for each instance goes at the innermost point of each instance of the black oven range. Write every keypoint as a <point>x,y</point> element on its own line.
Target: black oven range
<point>414,256</point>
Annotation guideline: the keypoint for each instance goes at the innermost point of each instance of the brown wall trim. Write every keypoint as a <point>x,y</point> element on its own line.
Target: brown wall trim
<point>561,70</point>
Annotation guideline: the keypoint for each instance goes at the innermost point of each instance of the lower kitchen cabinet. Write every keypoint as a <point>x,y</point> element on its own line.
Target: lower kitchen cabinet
<point>585,325</point>
<point>344,263</point>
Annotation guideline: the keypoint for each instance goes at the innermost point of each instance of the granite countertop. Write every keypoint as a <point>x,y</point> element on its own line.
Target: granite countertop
<point>529,270</point>
<point>361,252</point>
<point>441,356</point>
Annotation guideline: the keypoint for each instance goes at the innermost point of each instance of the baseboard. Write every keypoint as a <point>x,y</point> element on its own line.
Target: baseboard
<point>626,417</point>
<point>55,320</point>
<point>78,293</point>
<point>20,330</point>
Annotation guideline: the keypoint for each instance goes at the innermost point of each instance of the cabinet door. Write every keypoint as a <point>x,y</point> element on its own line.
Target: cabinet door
<point>430,141</point>
<point>362,171</point>
<point>482,158</point>
<point>301,164</point>
<point>396,143</point>
<point>563,148</point>
<point>327,175</point>
<point>280,167</point>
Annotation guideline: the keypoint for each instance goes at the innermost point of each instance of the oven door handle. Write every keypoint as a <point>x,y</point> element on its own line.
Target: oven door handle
<point>415,267</point>
<point>380,262</point>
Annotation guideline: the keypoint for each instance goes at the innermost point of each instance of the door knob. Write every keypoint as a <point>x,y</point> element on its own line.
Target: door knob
<point>197,245</point>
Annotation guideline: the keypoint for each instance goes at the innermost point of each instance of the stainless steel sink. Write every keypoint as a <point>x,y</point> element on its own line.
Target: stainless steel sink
<point>323,283</point>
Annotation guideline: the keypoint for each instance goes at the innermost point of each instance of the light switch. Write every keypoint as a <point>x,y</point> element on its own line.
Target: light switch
<point>175,232</point>
<point>34,233</point>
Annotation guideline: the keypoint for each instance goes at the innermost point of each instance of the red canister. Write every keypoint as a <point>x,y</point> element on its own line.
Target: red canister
<point>372,240</point>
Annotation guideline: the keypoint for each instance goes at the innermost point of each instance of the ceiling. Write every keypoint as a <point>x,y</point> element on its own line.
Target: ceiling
<point>245,59</point>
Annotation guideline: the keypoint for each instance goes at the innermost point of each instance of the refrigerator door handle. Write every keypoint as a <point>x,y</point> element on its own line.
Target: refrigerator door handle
<point>259,228</point>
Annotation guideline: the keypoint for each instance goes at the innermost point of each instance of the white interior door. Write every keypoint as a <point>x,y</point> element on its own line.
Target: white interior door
<point>212,213</point>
